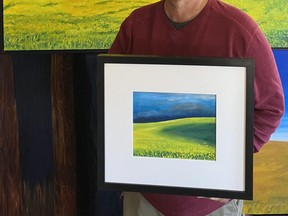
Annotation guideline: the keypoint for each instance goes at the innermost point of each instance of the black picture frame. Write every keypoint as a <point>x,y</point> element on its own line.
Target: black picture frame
<point>229,175</point>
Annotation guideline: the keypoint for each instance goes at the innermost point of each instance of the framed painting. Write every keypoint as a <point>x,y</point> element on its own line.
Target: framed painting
<point>175,125</point>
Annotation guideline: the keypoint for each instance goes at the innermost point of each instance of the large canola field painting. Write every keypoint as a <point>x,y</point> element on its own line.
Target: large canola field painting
<point>271,164</point>
<point>93,24</point>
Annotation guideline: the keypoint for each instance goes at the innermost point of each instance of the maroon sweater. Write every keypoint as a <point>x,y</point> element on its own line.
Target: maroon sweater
<point>219,30</point>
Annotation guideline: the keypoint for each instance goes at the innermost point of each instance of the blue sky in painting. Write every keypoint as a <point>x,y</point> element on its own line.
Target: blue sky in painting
<point>153,106</point>
<point>281,57</point>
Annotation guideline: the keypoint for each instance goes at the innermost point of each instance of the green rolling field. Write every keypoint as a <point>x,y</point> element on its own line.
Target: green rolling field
<point>188,138</point>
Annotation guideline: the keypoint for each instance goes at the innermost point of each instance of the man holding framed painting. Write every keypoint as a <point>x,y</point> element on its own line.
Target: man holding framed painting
<point>202,28</point>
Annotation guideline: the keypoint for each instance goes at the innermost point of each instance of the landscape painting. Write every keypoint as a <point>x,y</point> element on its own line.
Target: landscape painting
<point>174,125</point>
<point>271,164</point>
<point>93,24</point>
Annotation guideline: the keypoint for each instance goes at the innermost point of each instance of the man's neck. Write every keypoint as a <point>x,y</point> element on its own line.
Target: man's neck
<point>180,11</point>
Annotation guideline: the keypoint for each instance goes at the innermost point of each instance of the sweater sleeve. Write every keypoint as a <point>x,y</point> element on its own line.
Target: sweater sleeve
<point>268,92</point>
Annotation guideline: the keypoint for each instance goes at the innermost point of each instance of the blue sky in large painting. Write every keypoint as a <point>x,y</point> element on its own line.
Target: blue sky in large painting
<point>155,106</point>
<point>281,57</point>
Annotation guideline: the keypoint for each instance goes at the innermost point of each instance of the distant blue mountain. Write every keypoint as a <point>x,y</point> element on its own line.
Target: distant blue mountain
<point>155,106</point>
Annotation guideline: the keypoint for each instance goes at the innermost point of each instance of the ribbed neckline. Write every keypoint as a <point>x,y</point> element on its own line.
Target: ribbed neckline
<point>194,21</point>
